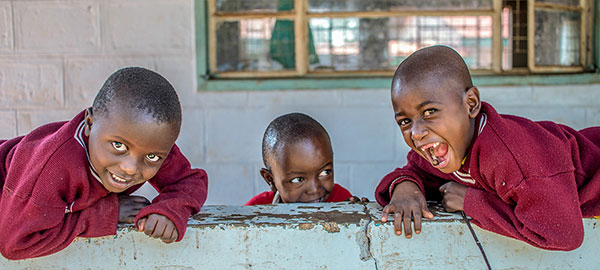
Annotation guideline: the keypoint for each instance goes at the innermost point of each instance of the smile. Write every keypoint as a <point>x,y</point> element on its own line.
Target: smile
<point>317,200</point>
<point>118,179</point>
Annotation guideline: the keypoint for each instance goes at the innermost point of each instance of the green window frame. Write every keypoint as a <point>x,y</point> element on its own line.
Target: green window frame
<point>300,79</point>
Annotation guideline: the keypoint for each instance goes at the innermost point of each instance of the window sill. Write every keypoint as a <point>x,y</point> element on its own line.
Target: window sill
<point>385,82</point>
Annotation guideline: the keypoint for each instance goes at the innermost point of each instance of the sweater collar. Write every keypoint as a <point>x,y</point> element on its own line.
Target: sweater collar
<point>83,141</point>
<point>480,122</point>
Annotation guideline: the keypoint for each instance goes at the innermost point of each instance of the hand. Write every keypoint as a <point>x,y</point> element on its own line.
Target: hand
<point>407,203</point>
<point>158,226</point>
<point>129,206</point>
<point>454,196</point>
<point>355,199</point>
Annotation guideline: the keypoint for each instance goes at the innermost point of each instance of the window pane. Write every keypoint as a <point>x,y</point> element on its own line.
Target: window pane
<point>246,6</point>
<point>382,43</point>
<point>255,45</point>
<point>557,36</point>
<point>562,2</point>
<point>384,5</point>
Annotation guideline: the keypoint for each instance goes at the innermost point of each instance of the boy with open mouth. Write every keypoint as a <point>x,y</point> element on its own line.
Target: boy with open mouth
<point>533,181</point>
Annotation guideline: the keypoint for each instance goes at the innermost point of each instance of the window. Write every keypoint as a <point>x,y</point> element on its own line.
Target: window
<point>336,38</point>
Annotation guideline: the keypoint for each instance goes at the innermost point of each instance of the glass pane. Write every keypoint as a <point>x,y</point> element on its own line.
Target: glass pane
<point>385,5</point>
<point>255,45</point>
<point>382,43</point>
<point>249,6</point>
<point>562,2</point>
<point>557,37</point>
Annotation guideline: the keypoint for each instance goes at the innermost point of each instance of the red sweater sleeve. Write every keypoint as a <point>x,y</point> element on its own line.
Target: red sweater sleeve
<point>339,194</point>
<point>182,191</point>
<point>262,198</point>
<point>35,221</point>
<point>544,212</point>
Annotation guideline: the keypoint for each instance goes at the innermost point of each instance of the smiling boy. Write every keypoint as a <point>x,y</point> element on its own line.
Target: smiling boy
<point>298,162</point>
<point>61,180</point>
<point>532,181</point>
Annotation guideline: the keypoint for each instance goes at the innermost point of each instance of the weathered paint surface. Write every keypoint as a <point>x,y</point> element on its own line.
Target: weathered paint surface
<point>312,236</point>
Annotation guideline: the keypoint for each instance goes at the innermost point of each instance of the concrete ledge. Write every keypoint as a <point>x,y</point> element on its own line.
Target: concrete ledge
<point>312,236</point>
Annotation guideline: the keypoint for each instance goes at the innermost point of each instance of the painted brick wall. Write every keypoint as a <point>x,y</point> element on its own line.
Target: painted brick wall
<point>55,55</point>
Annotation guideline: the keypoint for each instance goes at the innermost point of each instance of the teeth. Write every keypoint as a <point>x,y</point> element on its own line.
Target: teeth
<point>435,161</point>
<point>118,179</point>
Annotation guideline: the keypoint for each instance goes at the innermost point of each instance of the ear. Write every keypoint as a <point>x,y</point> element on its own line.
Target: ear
<point>473,102</point>
<point>89,120</point>
<point>268,177</point>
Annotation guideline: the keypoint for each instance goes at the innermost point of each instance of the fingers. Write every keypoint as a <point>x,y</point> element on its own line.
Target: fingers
<point>417,221</point>
<point>386,212</point>
<point>398,223</point>
<point>444,188</point>
<point>159,226</point>
<point>140,200</point>
<point>170,234</point>
<point>407,220</point>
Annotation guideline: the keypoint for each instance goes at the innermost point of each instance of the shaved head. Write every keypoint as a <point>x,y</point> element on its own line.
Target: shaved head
<point>289,128</point>
<point>435,63</point>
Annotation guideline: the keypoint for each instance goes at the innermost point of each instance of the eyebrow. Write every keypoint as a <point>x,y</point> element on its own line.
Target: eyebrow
<point>421,105</point>
<point>323,167</point>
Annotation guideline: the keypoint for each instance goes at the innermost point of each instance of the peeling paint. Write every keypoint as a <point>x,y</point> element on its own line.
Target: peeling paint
<point>324,236</point>
<point>331,227</point>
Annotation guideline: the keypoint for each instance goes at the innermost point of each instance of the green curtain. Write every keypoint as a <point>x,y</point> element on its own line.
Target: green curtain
<point>282,46</point>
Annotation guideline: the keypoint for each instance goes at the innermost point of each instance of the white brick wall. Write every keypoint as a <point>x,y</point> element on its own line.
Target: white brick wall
<point>6,27</point>
<point>56,27</point>
<point>61,51</point>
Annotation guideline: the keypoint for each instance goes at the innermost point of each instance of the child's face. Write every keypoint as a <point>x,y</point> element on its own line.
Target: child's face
<point>125,149</point>
<point>302,171</point>
<point>436,120</point>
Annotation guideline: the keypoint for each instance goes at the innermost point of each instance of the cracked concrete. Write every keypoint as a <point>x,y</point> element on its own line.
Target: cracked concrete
<point>311,236</point>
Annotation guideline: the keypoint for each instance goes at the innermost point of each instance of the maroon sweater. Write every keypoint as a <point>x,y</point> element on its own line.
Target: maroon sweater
<point>533,181</point>
<point>50,195</point>
<point>338,194</point>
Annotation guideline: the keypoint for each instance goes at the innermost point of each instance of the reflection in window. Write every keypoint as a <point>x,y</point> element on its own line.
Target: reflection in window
<point>381,44</point>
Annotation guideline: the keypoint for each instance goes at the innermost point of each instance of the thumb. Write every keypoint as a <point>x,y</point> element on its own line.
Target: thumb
<point>443,188</point>
<point>141,223</point>
<point>425,212</point>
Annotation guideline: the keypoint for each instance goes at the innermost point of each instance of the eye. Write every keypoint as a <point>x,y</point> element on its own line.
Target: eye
<point>429,112</point>
<point>325,172</point>
<point>297,180</point>
<point>119,146</point>
<point>152,157</point>
<point>403,122</point>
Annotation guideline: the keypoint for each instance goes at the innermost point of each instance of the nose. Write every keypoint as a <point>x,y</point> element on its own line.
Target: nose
<point>129,165</point>
<point>314,186</point>
<point>418,131</point>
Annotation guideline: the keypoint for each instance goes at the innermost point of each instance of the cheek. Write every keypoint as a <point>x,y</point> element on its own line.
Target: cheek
<point>149,172</point>
<point>407,138</point>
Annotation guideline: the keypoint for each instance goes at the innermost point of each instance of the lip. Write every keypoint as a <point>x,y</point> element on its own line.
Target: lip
<point>119,182</point>
<point>318,200</point>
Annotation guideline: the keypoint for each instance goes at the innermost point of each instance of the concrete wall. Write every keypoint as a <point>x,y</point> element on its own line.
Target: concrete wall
<point>312,236</point>
<point>55,55</point>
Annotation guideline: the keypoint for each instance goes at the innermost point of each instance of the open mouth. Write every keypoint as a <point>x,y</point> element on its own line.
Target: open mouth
<point>119,182</point>
<point>436,153</point>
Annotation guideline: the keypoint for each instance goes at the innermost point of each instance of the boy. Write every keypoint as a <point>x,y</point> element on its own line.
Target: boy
<point>298,160</point>
<point>533,181</point>
<point>61,180</point>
